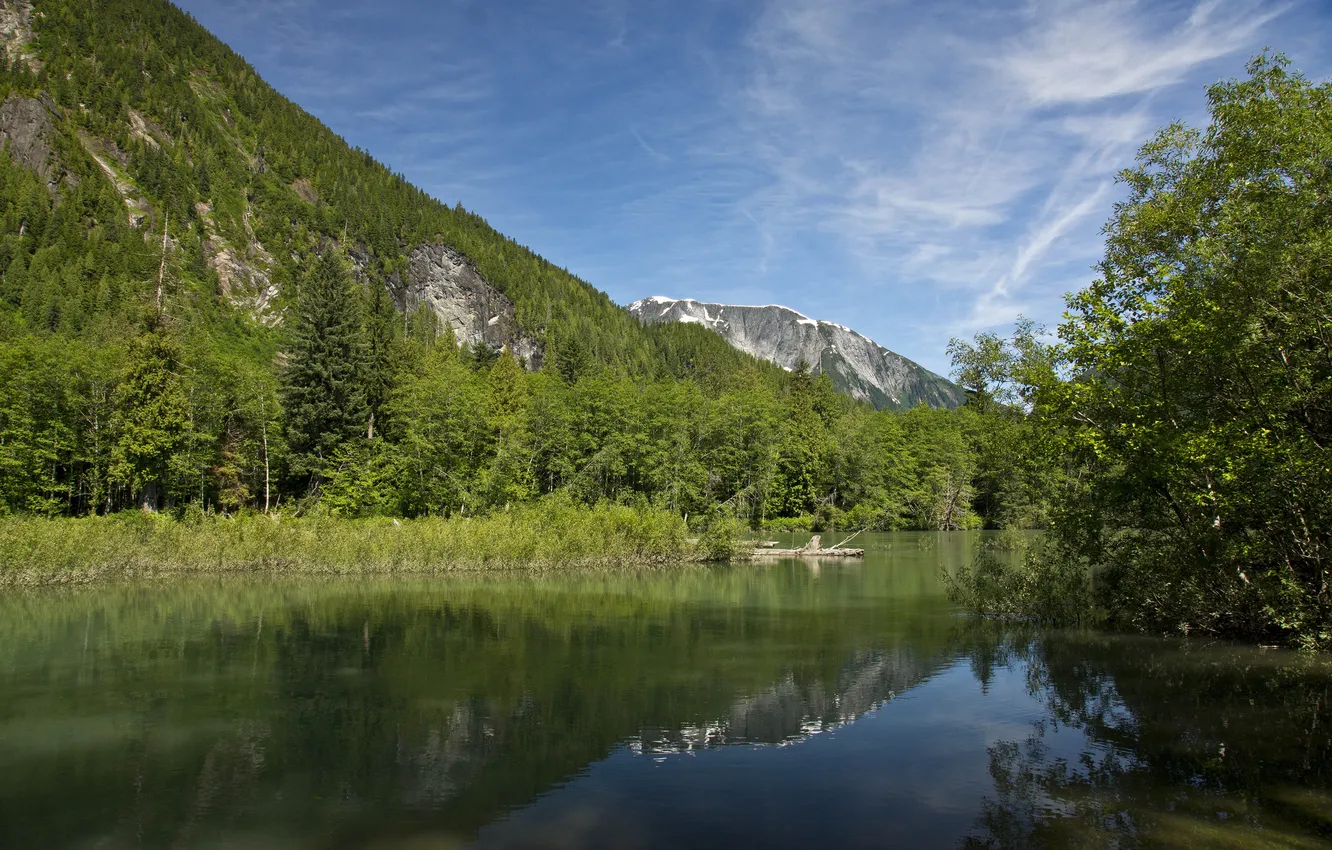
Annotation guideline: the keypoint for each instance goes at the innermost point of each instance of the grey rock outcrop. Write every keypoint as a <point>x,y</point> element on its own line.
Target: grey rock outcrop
<point>16,29</point>
<point>243,272</point>
<point>27,129</point>
<point>443,280</point>
<point>858,366</point>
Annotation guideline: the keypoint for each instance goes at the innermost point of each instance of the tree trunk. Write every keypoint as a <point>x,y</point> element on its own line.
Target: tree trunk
<point>265,465</point>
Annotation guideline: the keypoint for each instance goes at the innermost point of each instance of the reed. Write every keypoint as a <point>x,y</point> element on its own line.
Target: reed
<point>550,534</point>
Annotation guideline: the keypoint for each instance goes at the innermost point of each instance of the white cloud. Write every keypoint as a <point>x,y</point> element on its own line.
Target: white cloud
<point>1077,52</point>
<point>963,149</point>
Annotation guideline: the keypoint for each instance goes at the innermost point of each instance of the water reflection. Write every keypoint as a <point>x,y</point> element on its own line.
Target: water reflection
<point>768,704</point>
<point>1186,744</point>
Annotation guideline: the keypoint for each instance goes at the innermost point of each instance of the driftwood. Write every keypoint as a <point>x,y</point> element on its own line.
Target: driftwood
<point>814,548</point>
<point>846,540</point>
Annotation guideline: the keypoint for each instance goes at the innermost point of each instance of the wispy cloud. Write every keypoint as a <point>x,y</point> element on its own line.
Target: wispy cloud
<point>1078,52</point>
<point>914,170</point>
<point>651,151</point>
<point>969,150</point>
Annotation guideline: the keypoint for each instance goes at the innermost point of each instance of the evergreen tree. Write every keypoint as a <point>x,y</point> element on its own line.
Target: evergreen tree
<point>380,355</point>
<point>323,379</point>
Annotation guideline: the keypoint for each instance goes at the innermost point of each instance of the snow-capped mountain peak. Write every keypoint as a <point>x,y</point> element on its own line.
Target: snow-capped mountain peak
<point>858,366</point>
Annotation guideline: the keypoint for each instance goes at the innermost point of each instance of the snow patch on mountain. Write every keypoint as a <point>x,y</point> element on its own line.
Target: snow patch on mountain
<point>857,365</point>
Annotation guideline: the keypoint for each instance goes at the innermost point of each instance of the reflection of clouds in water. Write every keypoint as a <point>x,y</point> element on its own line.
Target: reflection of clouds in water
<point>586,823</point>
<point>1159,742</point>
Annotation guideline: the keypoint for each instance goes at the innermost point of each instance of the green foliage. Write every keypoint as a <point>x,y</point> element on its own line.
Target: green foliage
<point>722,537</point>
<point>1189,401</point>
<point>1049,586</point>
<point>553,532</point>
<point>360,480</point>
<point>1203,364</point>
<point>151,420</point>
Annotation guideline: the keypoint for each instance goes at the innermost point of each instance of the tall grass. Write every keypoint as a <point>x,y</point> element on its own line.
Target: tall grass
<point>553,533</point>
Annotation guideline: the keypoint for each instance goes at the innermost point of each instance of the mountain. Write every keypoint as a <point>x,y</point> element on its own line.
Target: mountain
<point>138,117</point>
<point>858,366</point>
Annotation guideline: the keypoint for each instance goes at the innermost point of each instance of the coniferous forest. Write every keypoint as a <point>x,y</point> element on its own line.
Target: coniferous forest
<point>1171,435</point>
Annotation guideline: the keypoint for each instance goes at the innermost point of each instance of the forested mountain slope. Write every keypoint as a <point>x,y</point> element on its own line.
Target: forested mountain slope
<point>140,97</point>
<point>210,301</point>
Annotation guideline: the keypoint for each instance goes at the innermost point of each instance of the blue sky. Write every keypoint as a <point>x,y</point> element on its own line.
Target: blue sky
<point>914,170</point>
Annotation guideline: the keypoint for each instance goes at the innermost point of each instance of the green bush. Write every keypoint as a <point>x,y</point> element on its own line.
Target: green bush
<point>1048,587</point>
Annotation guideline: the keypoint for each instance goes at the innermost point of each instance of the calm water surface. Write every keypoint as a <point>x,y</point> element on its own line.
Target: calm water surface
<point>790,704</point>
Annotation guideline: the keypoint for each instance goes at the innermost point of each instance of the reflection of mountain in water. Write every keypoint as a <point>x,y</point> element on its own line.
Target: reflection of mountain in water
<point>790,711</point>
<point>342,717</point>
<point>475,743</point>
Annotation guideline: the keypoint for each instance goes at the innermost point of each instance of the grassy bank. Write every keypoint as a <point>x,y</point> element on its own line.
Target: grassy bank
<point>551,534</point>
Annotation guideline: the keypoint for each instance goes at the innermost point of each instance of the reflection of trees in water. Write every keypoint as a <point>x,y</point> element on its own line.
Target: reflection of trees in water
<point>338,722</point>
<point>1185,745</point>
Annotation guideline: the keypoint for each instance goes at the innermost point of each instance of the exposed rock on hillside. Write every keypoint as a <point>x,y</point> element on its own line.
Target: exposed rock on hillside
<point>145,130</point>
<point>16,29</point>
<point>26,127</point>
<point>305,190</point>
<point>112,161</point>
<point>443,280</point>
<point>242,273</point>
<point>857,365</point>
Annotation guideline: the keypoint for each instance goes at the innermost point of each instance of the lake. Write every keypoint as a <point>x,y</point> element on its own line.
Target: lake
<point>784,704</point>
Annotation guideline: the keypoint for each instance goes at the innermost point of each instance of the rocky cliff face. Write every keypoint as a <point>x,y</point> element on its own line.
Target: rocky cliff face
<point>858,366</point>
<point>26,129</point>
<point>16,30</point>
<point>243,272</point>
<point>443,280</point>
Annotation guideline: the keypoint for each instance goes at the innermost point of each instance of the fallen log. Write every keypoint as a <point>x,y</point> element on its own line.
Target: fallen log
<point>839,552</point>
<point>813,548</point>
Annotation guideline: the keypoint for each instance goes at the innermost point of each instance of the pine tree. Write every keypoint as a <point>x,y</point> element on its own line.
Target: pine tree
<point>380,361</point>
<point>323,389</point>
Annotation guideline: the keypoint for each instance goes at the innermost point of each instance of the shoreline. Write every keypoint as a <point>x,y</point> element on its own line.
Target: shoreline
<point>37,552</point>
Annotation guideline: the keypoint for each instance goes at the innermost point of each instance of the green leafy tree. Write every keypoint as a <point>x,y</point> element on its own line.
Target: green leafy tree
<point>361,480</point>
<point>1202,396</point>
<point>1196,413</point>
<point>381,356</point>
<point>510,475</point>
<point>152,419</point>
<point>1015,439</point>
<point>439,411</point>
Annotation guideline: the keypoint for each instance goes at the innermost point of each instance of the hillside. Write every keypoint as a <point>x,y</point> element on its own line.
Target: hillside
<point>138,97</point>
<point>858,366</point>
